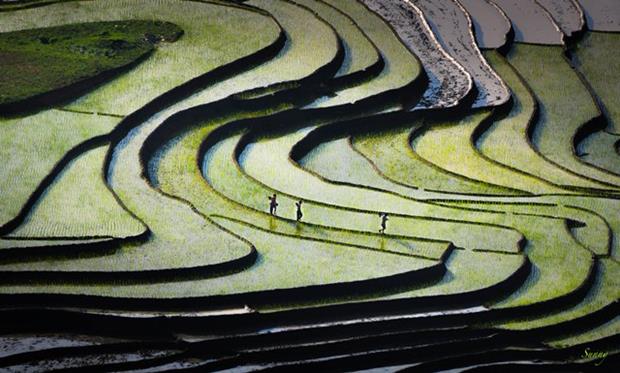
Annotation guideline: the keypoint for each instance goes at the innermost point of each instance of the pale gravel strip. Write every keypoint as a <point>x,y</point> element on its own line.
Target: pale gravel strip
<point>531,23</point>
<point>602,15</point>
<point>490,23</point>
<point>448,83</point>
<point>566,13</point>
<point>454,30</point>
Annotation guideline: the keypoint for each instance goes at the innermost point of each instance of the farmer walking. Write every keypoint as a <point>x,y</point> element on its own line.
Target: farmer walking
<point>273,204</point>
<point>384,219</point>
<point>299,213</point>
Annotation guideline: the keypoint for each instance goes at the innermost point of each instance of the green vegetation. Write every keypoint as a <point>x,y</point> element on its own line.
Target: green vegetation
<point>153,186</point>
<point>37,61</point>
<point>391,153</point>
<point>360,51</point>
<point>469,271</point>
<point>175,221</point>
<point>418,219</point>
<point>598,149</point>
<point>196,53</point>
<point>34,144</point>
<point>595,57</point>
<point>604,292</point>
<point>450,146</point>
<point>507,141</point>
<point>284,263</point>
<point>565,106</point>
<point>403,66</point>
<point>78,204</point>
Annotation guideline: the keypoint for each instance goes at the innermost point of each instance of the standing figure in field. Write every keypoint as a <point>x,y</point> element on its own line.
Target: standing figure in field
<point>299,213</point>
<point>273,204</point>
<point>384,219</point>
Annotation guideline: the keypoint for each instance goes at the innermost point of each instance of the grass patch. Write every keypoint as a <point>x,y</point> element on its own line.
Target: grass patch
<point>210,32</point>
<point>37,61</point>
<point>34,144</point>
<point>181,238</point>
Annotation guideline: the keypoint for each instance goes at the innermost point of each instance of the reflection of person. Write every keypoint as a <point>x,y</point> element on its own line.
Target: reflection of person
<point>299,214</point>
<point>384,219</point>
<point>273,204</point>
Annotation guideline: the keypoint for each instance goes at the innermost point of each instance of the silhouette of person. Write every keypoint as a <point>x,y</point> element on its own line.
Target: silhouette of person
<point>273,204</point>
<point>384,219</point>
<point>299,213</point>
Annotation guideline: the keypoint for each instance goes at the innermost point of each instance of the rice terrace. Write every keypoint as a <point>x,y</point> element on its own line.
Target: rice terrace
<point>310,185</point>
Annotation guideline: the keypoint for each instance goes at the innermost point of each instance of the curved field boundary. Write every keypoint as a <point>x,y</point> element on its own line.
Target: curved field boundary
<point>564,157</point>
<point>378,325</point>
<point>505,207</point>
<point>567,14</point>
<point>78,205</point>
<point>299,352</point>
<point>563,226</point>
<point>362,61</point>
<point>464,160</point>
<point>446,184</point>
<point>442,257</point>
<point>126,124</point>
<point>298,295</point>
<point>145,276</point>
<point>492,28</point>
<point>552,174</point>
<point>20,193</point>
<point>602,15</point>
<point>138,116</point>
<point>49,179</point>
<point>239,106</point>
<point>393,348</point>
<point>448,81</point>
<point>531,23</point>
<point>88,246</point>
<point>599,150</point>
<point>596,124</point>
<point>418,132</point>
<point>557,302</point>
<point>386,90</point>
<point>454,28</point>
<point>68,93</point>
<point>264,54</point>
<point>357,127</point>
<point>407,195</point>
<point>248,139</point>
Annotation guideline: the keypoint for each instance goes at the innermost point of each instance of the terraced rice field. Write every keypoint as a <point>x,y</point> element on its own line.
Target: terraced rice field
<point>325,185</point>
